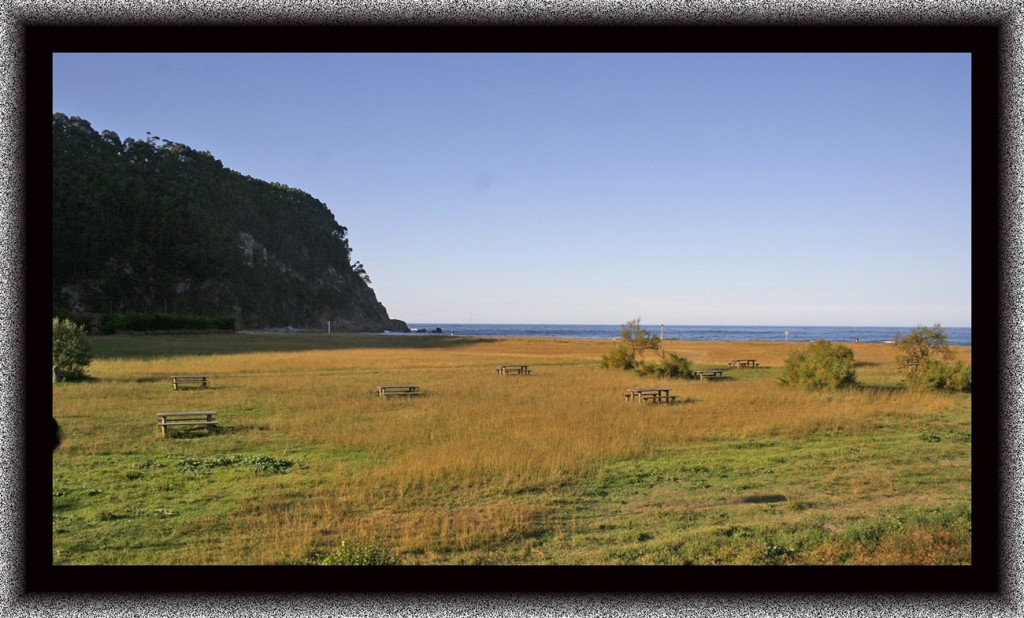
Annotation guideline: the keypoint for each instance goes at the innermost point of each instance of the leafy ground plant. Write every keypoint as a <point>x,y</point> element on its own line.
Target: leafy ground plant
<point>359,553</point>
<point>258,463</point>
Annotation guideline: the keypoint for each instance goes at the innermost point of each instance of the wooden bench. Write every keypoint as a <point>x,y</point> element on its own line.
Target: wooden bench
<point>198,381</point>
<point>388,391</point>
<point>183,419</point>
<point>519,370</point>
<point>708,374</point>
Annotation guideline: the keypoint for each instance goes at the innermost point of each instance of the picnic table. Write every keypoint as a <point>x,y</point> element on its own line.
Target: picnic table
<point>707,374</point>
<point>405,389</point>
<point>520,370</point>
<point>650,395</point>
<point>743,362</point>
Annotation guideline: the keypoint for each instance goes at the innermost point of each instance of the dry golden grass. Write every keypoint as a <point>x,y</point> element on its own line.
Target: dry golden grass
<point>477,462</point>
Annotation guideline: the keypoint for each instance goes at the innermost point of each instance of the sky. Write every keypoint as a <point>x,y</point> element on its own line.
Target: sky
<point>688,189</point>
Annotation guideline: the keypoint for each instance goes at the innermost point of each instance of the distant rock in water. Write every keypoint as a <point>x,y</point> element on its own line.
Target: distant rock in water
<point>148,227</point>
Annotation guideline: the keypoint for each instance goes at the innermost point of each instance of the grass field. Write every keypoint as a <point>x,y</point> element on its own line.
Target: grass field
<point>308,464</point>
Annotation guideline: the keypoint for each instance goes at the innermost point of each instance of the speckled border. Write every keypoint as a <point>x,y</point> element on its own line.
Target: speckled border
<point>13,287</point>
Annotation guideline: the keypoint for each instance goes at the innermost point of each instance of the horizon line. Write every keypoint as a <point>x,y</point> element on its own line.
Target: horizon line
<point>688,325</point>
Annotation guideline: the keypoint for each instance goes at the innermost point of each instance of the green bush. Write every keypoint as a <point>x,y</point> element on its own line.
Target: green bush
<point>72,351</point>
<point>943,376</point>
<point>926,354</point>
<point>822,366</point>
<point>634,341</point>
<point>921,347</point>
<point>628,354</point>
<point>672,366</point>
<point>619,358</point>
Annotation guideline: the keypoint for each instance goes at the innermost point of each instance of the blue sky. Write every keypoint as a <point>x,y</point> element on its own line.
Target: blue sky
<point>792,189</point>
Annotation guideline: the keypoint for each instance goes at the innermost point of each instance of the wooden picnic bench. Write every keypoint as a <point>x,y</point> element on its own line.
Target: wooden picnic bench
<point>743,362</point>
<point>198,381</point>
<point>650,395</point>
<point>182,419</point>
<point>708,374</point>
<point>388,391</point>
<point>518,370</point>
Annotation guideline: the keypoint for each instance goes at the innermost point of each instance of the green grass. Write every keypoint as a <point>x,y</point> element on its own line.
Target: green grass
<point>764,501</point>
<point>308,466</point>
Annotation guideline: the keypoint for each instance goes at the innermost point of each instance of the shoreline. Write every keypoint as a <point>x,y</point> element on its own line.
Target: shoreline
<point>568,339</point>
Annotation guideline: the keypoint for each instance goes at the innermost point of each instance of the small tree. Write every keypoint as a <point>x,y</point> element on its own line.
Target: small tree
<point>637,340</point>
<point>822,366</point>
<point>72,352</point>
<point>628,354</point>
<point>927,357</point>
<point>921,347</point>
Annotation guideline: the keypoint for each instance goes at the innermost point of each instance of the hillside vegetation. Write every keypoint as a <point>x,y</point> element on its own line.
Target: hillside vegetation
<point>152,226</point>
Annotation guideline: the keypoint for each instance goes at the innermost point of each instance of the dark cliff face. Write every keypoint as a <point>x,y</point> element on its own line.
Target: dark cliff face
<point>160,228</point>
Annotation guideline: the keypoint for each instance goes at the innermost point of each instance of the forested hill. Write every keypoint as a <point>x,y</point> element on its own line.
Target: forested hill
<point>152,226</point>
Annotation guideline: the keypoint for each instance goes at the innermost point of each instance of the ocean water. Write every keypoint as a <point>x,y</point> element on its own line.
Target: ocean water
<point>864,334</point>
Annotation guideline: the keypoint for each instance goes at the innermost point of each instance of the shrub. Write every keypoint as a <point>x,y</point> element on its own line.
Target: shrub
<point>619,358</point>
<point>672,366</point>
<point>72,351</point>
<point>823,365</point>
<point>628,354</point>
<point>926,354</point>
<point>921,347</point>
<point>943,376</point>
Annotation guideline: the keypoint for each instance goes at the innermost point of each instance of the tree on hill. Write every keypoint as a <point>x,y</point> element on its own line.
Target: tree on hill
<point>153,226</point>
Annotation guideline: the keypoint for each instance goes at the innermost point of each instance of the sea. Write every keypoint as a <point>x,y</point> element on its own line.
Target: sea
<point>850,334</point>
